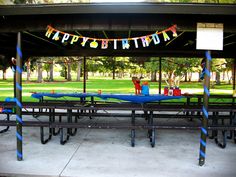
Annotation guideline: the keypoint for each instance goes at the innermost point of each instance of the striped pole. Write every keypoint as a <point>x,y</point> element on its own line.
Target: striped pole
<point>18,98</point>
<point>207,75</point>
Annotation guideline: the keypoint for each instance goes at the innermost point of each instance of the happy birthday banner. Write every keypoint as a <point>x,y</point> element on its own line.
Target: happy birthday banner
<point>125,43</point>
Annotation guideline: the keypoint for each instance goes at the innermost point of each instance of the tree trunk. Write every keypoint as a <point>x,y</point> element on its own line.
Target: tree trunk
<point>79,70</point>
<point>186,77</point>
<point>223,75</point>
<point>65,70</point>
<point>190,77</point>
<point>86,76</point>
<point>154,76</point>
<point>28,71</point>
<point>40,72</point>
<point>4,74</point>
<point>217,78</point>
<point>228,77</point>
<point>113,71</point>
<point>199,75</point>
<point>51,72</point>
<point>48,75</point>
<point>69,71</point>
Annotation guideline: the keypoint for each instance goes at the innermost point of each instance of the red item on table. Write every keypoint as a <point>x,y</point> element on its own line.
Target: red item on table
<point>137,86</point>
<point>166,91</point>
<point>177,92</point>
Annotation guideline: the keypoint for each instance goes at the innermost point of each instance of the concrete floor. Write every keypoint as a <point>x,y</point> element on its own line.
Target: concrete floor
<point>107,153</point>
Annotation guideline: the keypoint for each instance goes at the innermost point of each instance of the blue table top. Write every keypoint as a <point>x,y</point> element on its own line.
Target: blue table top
<point>125,97</point>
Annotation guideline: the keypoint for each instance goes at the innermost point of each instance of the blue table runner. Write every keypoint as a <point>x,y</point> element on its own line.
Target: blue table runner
<point>125,97</point>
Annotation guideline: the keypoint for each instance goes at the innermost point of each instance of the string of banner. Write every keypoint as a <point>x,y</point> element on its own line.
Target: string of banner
<point>156,37</point>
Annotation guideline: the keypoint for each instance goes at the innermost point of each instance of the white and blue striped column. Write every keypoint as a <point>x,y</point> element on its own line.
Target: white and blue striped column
<point>18,98</point>
<point>204,131</point>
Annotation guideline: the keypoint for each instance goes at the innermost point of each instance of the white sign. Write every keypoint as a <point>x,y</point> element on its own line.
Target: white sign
<point>210,36</point>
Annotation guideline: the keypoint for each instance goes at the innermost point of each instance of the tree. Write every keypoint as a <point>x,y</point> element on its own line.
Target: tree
<point>176,68</point>
<point>5,62</point>
<point>79,63</point>
<point>46,67</point>
<point>191,65</point>
<point>40,70</point>
<point>76,66</point>
<point>153,67</point>
<point>51,71</point>
<point>68,62</point>
<point>28,70</point>
<point>121,65</point>
<point>229,67</point>
<point>218,66</point>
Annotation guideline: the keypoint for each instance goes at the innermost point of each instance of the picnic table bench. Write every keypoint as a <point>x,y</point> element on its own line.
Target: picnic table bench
<point>147,110</point>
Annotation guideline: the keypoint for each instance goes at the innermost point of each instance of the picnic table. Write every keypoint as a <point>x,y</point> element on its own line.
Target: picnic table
<point>149,105</point>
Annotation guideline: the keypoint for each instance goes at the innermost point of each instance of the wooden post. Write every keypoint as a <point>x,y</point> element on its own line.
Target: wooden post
<point>18,98</point>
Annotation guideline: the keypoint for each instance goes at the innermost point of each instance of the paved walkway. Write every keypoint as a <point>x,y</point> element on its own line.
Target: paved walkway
<point>107,153</point>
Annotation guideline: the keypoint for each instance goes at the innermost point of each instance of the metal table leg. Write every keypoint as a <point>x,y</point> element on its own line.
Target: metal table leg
<point>214,122</point>
<point>230,136</point>
<point>7,128</point>
<point>62,141</point>
<point>153,132</point>
<point>54,132</point>
<point>223,144</point>
<point>133,130</point>
<point>73,132</point>
<point>69,130</point>
<point>44,141</point>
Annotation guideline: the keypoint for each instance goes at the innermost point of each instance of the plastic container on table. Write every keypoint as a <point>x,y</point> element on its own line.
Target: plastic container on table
<point>145,90</point>
<point>166,90</point>
<point>177,91</point>
<point>171,91</point>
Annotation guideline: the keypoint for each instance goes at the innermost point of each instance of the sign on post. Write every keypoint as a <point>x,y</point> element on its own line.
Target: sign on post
<point>210,36</point>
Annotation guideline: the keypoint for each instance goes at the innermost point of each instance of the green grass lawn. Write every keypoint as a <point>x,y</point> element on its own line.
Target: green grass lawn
<point>95,84</point>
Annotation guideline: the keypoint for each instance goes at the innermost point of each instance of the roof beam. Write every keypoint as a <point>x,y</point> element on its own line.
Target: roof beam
<point>120,8</point>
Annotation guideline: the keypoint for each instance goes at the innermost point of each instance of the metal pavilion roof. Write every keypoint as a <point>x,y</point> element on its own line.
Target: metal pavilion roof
<point>113,21</point>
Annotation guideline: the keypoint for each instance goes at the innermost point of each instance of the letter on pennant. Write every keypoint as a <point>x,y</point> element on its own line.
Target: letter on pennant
<point>65,37</point>
<point>56,36</point>
<point>144,41</point>
<point>104,44</point>
<point>74,39</point>
<point>85,39</point>
<point>156,39</point>
<point>115,44</point>
<point>135,42</point>
<point>125,44</point>
<point>166,37</point>
<point>49,31</point>
<point>173,29</point>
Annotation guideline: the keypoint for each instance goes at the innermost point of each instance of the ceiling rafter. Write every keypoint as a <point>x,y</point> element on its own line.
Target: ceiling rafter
<point>26,32</point>
<point>174,38</point>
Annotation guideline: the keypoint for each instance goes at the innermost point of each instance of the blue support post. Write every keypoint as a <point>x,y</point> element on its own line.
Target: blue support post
<point>18,98</point>
<point>207,76</point>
